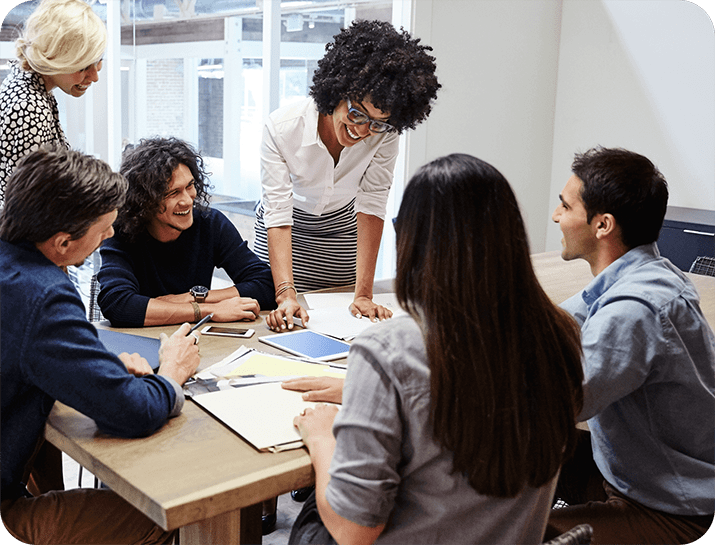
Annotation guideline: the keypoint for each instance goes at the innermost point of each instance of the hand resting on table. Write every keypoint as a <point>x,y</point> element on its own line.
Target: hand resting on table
<point>324,389</point>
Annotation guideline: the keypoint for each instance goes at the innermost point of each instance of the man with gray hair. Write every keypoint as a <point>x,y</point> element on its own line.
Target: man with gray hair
<point>60,205</point>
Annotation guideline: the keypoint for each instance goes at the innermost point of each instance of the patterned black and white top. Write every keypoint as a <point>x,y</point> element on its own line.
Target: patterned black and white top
<point>28,118</point>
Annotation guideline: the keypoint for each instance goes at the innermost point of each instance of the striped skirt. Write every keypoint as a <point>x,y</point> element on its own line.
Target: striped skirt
<point>324,247</point>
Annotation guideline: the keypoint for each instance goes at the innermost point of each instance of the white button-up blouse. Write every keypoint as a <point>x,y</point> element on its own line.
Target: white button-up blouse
<point>297,169</point>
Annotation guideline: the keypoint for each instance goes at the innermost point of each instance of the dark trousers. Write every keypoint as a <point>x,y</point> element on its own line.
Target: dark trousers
<point>614,517</point>
<point>308,528</point>
<point>44,472</point>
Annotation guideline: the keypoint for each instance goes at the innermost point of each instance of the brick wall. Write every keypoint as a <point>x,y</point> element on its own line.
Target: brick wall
<point>211,116</point>
<point>165,97</point>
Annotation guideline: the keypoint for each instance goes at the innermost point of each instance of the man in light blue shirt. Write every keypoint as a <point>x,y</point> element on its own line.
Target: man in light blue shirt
<point>649,364</point>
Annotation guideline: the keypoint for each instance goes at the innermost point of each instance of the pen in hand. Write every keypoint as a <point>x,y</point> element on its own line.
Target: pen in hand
<point>201,322</point>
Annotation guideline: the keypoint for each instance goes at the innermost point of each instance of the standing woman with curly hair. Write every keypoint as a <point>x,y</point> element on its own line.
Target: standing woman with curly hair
<point>327,165</point>
<point>457,416</point>
<point>61,46</point>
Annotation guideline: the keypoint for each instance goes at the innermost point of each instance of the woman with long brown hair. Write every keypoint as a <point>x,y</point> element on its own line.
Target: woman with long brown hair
<point>456,417</point>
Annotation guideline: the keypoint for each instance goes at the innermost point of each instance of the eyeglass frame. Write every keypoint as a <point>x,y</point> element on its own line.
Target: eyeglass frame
<point>367,119</point>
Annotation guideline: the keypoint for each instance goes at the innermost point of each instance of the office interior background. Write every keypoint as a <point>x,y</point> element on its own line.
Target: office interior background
<point>526,83</point>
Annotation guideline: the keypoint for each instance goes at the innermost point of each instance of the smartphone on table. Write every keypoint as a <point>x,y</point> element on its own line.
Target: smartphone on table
<point>225,331</point>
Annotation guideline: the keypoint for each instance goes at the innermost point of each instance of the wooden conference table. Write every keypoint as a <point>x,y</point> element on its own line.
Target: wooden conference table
<point>197,475</point>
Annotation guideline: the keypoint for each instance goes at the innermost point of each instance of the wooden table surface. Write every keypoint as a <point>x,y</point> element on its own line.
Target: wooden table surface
<point>561,279</point>
<point>197,475</point>
<point>194,468</point>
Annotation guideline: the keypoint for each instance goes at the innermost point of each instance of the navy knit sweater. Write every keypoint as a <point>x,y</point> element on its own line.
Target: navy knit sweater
<point>134,272</point>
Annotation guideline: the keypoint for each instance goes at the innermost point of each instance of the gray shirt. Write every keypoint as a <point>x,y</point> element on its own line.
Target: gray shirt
<point>388,469</point>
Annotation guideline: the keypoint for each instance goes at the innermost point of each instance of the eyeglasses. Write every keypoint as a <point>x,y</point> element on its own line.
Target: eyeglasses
<point>360,118</point>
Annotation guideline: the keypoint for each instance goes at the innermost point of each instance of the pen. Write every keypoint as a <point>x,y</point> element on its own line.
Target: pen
<point>201,322</point>
<point>296,321</point>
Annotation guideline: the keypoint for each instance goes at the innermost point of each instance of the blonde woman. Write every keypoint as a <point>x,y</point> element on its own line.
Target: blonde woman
<point>61,46</point>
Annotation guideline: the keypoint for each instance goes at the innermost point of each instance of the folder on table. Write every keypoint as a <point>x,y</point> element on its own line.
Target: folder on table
<point>262,414</point>
<point>117,342</point>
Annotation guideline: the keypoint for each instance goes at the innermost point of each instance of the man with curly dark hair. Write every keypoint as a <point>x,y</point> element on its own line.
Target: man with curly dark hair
<point>327,165</point>
<point>168,242</point>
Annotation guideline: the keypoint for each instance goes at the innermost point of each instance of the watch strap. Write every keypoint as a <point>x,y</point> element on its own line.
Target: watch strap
<point>197,311</point>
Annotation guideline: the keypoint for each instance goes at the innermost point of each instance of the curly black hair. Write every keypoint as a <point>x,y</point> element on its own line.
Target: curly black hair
<point>148,167</point>
<point>371,60</point>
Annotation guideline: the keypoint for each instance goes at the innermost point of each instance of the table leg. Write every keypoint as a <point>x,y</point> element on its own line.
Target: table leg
<point>235,527</point>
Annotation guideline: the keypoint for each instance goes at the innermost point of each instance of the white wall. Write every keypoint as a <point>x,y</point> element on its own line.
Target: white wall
<point>638,74</point>
<point>85,119</point>
<point>526,83</point>
<point>497,62</point>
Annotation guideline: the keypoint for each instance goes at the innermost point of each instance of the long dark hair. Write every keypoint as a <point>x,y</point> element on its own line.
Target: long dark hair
<point>505,361</point>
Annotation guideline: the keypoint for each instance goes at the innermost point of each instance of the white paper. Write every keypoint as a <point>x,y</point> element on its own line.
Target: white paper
<point>275,407</point>
<point>323,300</point>
<point>224,366</point>
<point>319,300</point>
<point>337,322</point>
<point>330,314</point>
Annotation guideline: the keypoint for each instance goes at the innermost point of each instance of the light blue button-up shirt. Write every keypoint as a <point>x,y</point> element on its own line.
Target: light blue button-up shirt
<point>649,382</point>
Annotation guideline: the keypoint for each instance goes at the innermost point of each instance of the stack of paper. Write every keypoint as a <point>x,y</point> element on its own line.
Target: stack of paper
<point>273,430</point>
<point>247,383</point>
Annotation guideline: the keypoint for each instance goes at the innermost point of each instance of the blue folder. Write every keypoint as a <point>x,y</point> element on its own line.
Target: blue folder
<point>117,342</point>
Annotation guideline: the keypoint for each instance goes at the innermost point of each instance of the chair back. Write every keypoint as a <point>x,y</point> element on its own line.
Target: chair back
<point>94,314</point>
<point>578,535</point>
<point>703,265</point>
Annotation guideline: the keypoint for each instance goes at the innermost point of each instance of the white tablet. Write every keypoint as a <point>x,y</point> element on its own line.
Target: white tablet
<point>308,344</point>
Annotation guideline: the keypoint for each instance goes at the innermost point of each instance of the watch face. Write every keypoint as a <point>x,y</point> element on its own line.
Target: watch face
<point>199,293</point>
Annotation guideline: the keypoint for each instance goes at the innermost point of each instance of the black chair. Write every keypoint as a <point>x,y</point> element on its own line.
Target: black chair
<point>703,265</point>
<point>578,535</point>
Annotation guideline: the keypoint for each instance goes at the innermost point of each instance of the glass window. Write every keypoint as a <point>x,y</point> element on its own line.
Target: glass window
<point>197,73</point>
<point>194,70</point>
